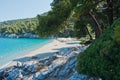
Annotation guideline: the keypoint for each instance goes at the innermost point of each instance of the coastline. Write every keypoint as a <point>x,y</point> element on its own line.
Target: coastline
<point>58,63</point>
<point>46,50</point>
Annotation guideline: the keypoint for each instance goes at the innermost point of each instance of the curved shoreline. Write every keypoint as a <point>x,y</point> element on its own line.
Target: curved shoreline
<point>41,52</point>
<point>22,54</point>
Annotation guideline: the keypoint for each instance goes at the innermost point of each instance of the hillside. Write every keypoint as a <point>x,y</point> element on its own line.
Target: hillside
<point>18,28</point>
<point>26,28</point>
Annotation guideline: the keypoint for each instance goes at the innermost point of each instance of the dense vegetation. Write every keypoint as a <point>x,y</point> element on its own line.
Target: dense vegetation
<point>23,26</point>
<point>101,59</point>
<point>98,14</point>
<point>19,27</point>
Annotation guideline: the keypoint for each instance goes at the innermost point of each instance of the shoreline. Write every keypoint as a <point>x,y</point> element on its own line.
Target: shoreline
<point>24,54</point>
<point>59,63</point>
<point>46,50</point>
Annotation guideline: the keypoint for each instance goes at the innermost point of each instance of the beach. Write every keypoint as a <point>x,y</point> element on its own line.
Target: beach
<point>46,50</point>
<point>53,61</point>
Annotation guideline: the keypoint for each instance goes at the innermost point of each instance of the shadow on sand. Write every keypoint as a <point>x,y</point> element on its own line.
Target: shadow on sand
<point>41,55</point>
<point>38,56</point>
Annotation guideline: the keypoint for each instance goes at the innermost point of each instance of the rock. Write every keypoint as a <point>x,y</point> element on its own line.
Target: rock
<point>57,63</point>
<point>47,63</point>
<point>77,76</point>
<point>64,72</point>
<point>12,36</point>
<point>36,66</point>
<point>72,62</point>
<point>41,77</point>
<point>3,75</point>
<point>32,68</point>
<point>75,48</point>
<point>36,75</point>
<point>29,35</point>
<point>46,72</point>
<point>55,73</point>
<point>12,75</point>
<point>28,77</point>
<point>20,75</point>
<point>19,64</point>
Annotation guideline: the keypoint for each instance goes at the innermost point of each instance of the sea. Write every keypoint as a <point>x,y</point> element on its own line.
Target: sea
<point>12,48</point>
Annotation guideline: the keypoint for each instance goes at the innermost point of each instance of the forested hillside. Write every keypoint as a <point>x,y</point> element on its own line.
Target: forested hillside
<point>27,28</point>
<point>18,28</point>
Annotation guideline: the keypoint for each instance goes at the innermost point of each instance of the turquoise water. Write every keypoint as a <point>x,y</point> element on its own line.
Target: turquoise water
<point>10,48</point>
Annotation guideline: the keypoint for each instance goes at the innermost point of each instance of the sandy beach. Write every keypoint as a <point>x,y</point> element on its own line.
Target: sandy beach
<point>47,50</point>
<point>54,61</point>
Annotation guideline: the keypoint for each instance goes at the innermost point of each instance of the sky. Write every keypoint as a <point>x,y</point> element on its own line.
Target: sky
<point>19,9</point>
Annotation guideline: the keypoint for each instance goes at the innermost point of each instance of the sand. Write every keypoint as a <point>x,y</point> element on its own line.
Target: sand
<point>44,51</point>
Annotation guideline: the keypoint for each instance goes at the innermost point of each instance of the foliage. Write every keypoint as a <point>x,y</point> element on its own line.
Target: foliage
<point>95,12</point>
<point>101,59</point>
<point>55,21</point>
<point>116,35</point>
<point>19,26</point>
<point>80,30</point>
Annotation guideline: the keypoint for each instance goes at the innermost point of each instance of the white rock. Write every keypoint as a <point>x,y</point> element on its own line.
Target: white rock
<point>19,64</point>
<point>20,75</point>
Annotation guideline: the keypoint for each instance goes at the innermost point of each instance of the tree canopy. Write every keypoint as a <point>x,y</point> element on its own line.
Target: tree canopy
<point>98,13</point>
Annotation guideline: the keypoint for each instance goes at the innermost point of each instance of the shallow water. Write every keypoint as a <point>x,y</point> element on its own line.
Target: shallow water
<point>11,48</point>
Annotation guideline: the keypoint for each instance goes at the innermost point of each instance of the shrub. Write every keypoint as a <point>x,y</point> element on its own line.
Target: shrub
<point>102,58</point>
<point>116,35</point>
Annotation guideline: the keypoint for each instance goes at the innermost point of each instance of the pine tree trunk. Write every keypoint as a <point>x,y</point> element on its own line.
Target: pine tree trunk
<point>97,28</point>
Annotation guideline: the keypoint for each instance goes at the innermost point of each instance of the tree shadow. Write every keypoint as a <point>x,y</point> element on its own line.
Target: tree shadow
<point>43,55</point>
<point>38,56</point>
<point>70,43</point>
